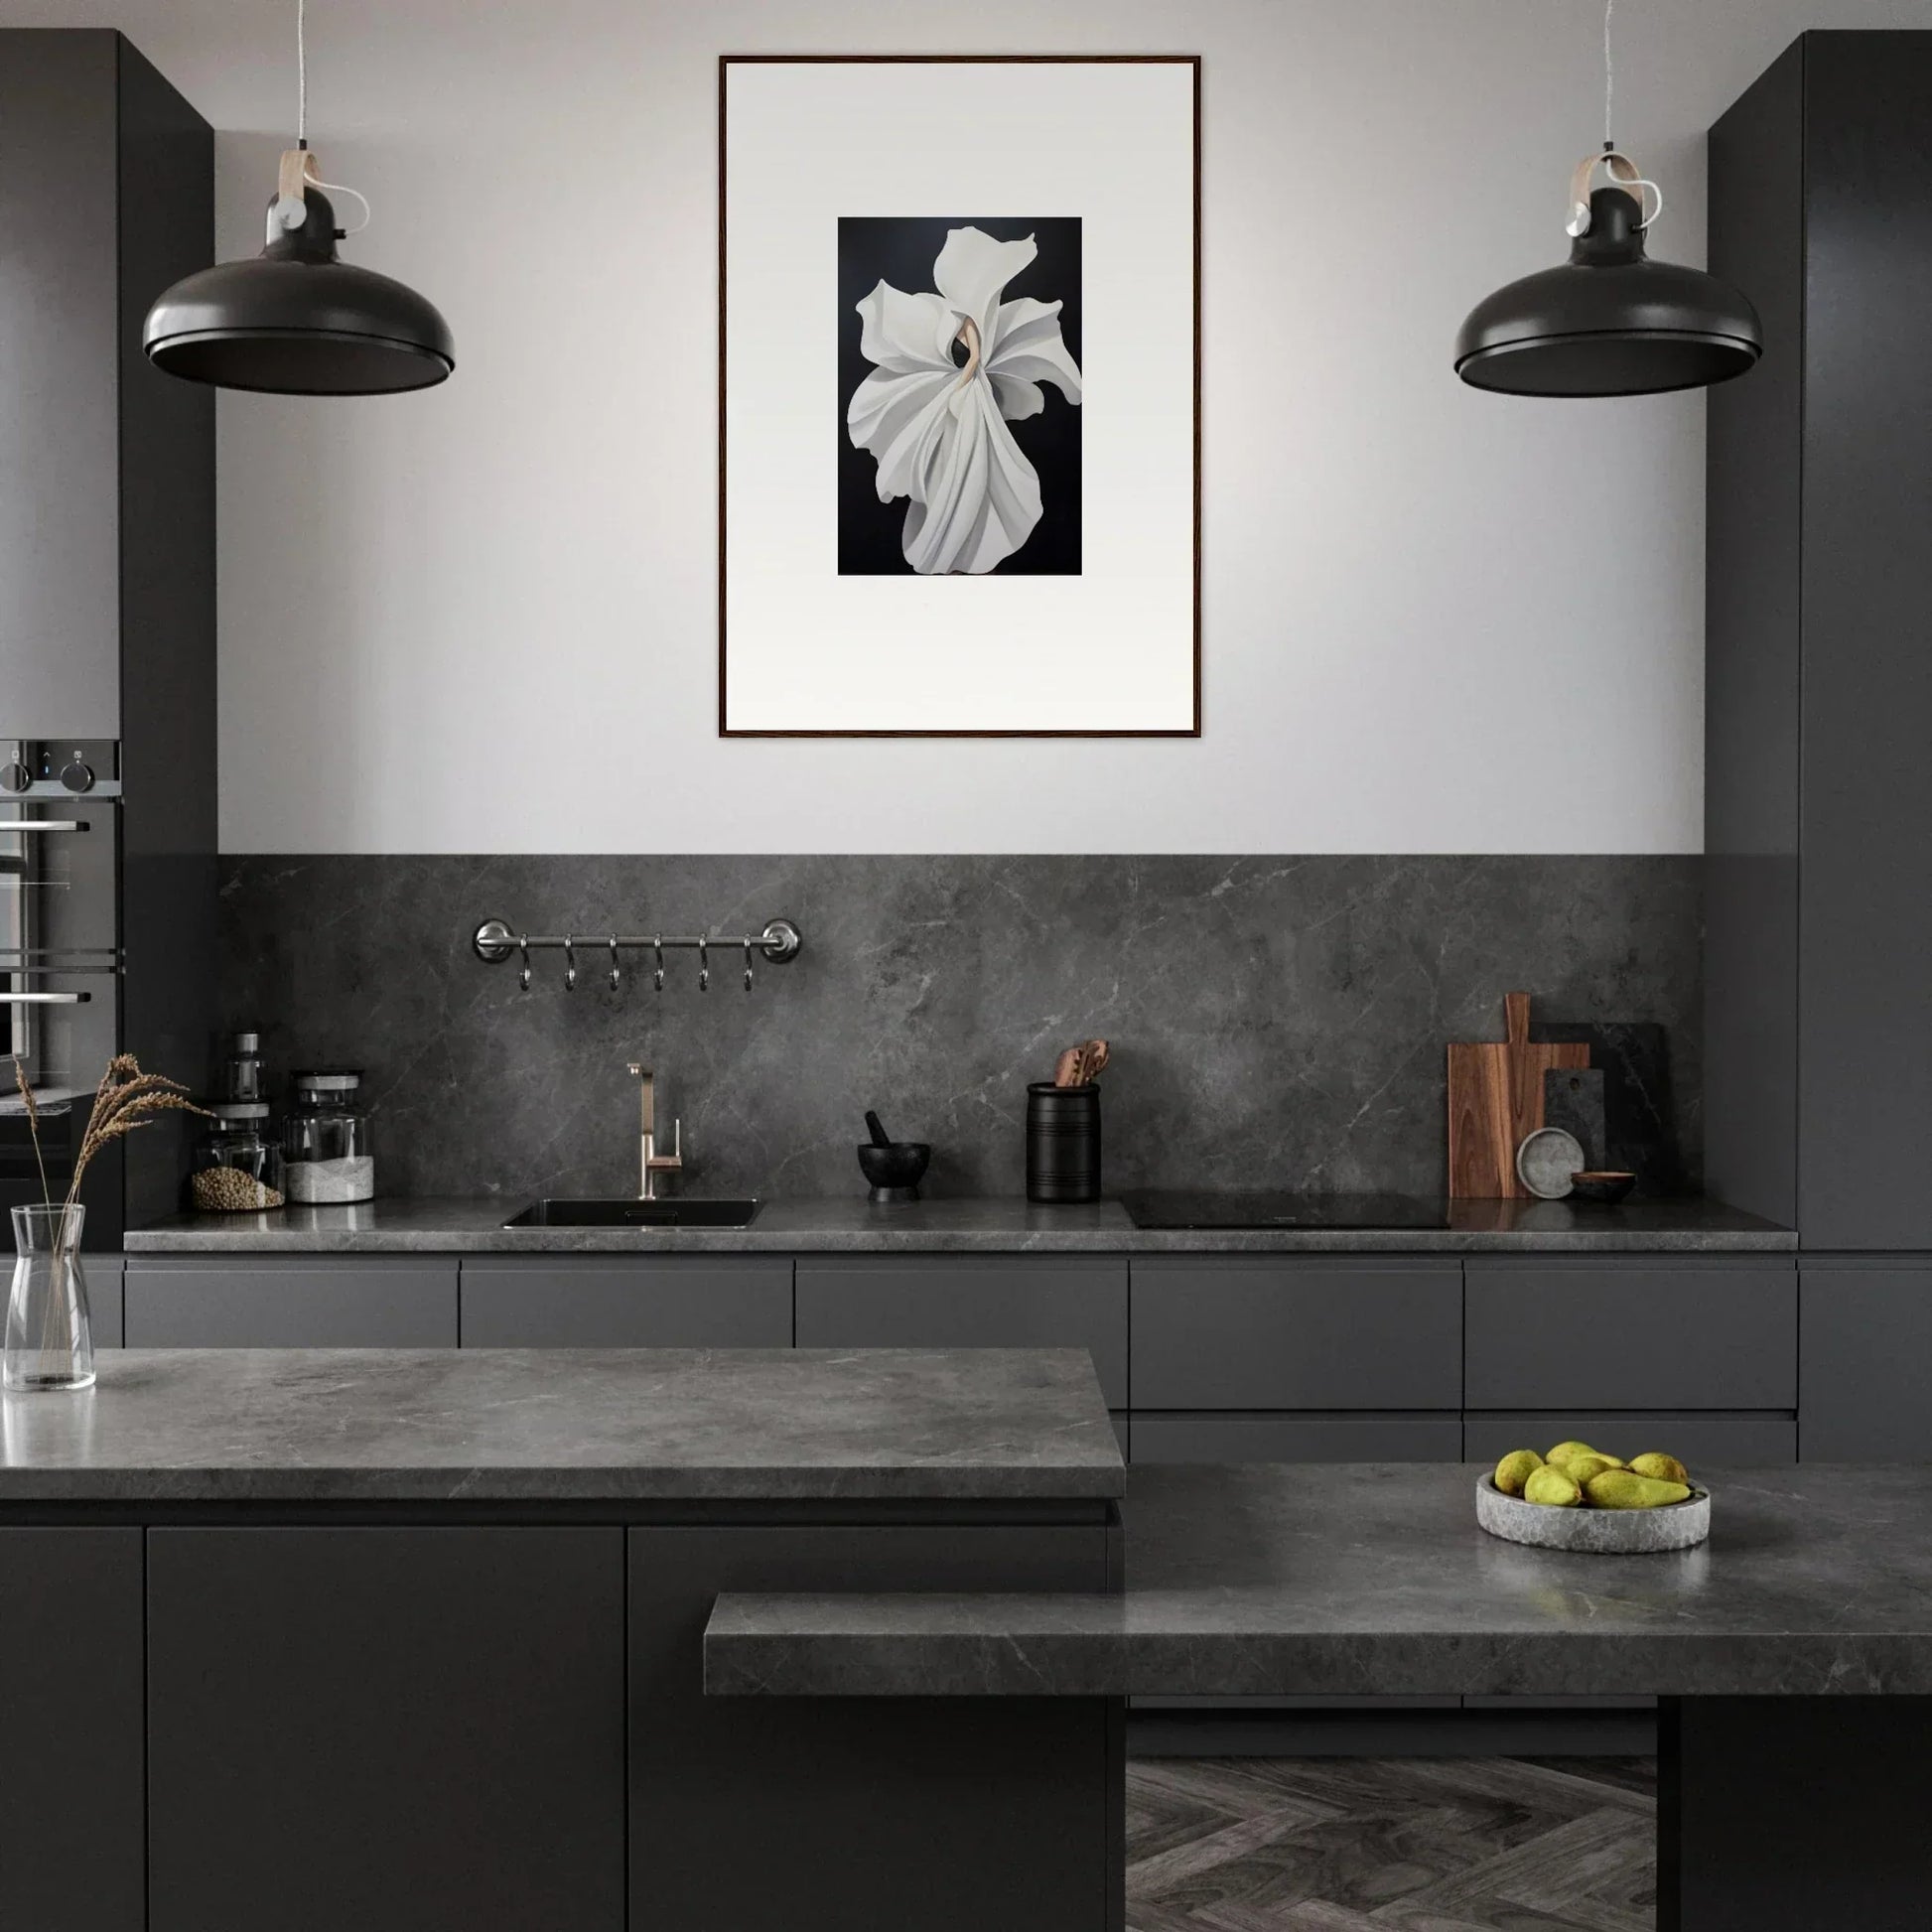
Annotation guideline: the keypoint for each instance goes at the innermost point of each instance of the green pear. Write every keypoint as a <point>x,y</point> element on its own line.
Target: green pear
<point>1515,1469</point>
<point>1551,1486</point>
<point>1564,1450</point>
<point>1625,1489</point>
<point>1666,1468</point>
<point>1579,1468</point>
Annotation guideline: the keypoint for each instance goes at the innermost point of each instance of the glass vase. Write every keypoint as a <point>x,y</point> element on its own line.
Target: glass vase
<point>49,1337</point>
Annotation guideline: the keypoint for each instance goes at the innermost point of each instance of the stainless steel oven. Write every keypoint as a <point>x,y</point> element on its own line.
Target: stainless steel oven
<point>61,956</point>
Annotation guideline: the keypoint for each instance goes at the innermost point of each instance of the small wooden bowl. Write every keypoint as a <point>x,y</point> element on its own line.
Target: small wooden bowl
<point>1604,1185</point>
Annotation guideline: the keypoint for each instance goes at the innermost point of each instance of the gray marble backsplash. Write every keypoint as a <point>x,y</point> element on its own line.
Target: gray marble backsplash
<point>1275,1022</point>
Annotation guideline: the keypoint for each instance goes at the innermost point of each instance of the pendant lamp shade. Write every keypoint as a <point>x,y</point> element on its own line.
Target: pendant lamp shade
<point>1609,322</point>
<point>299,320</point>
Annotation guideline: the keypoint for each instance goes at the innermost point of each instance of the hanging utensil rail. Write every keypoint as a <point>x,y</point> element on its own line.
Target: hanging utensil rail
<point>496,942</point>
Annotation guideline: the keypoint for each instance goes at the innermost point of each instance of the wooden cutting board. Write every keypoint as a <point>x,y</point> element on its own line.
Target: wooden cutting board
<point>1496,1098</point>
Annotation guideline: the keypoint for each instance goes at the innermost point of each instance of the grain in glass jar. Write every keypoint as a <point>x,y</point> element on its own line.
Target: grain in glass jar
<point>238,1162</point>
<point>331,1157</point>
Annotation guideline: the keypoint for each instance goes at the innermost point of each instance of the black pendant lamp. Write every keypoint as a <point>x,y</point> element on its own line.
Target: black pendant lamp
<point>1609,322</point>
<point>297,320</point>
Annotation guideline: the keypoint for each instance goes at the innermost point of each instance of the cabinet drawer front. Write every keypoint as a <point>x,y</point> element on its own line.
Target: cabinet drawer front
<point>1643,1334</point>
<point>1274,1334</point>
<point>1868,1362</point>
<point>1296,1439</point>
<point>669,1302</point>
<point>1712,1442</point>
<point>104,1296</point>
<point>954,1303</point>
<point>352,1305</point>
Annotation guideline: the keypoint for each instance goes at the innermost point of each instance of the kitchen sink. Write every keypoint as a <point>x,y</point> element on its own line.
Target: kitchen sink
<point>634,1213</point>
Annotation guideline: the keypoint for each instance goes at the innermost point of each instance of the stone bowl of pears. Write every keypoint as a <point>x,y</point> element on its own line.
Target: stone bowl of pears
<point>1580,1499</point>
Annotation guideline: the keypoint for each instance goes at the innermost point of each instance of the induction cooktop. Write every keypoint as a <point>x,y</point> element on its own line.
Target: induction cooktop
<point>1270,1211</point>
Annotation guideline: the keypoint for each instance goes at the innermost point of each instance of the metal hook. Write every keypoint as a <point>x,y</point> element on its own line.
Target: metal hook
<point>704,966</point>
<point>616,971</point>
<point>570,962</point>
<point>523,946</point>
<point>748,965</point>
<point>657,978</point>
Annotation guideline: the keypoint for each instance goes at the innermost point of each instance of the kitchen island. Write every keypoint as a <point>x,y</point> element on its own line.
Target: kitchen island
<point>1793,1650</point>
<point>413,1639</point>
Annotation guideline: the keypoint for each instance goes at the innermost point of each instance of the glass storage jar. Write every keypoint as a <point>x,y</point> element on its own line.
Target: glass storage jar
<point>331,1155</point>
<point>238,1164</point>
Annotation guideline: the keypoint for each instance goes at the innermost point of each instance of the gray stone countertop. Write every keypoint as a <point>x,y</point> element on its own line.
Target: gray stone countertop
<point>1373,1578</point>
<point>481,1426</point>
<point>989,1226</point>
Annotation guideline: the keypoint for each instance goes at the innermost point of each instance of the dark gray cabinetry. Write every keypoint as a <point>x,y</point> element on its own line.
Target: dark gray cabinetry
<point>1226,1333</point>
<point>274,1302</point>
<point>1272,1358</point>
<point>396,1729</point>
<point>72,1823</point>
<point>1867,1361</point>
<point>108,555</point>
<point>103,1274</point>
<point>1572,1334</point>
<point>957,1301</point>
<point>59,516</point>
<point>796,1813</point>
<point>1702,1438</point>
<point>659,1302</point>
<point>1198,1438</point>
<point>1819,683</point>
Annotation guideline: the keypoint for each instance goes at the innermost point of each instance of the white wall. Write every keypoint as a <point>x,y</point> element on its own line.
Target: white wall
<point>483,619</point>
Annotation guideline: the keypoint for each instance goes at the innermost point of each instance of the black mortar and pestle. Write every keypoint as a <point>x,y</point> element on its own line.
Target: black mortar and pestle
<point>893,1167</point>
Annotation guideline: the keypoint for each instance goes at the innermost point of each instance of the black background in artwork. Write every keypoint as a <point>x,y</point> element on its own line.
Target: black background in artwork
<point>901,249</point>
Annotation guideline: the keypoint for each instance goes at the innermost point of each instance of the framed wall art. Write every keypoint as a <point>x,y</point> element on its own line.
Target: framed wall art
<point>959,397</point>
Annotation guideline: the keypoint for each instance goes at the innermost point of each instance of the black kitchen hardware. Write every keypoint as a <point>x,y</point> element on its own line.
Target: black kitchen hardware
<point>894,1169</point>
<point>1609,322</point>
<point>1062,1143</point>
<point>1263,1210</point>
<point>297,320</point>
<point>873,1127</point>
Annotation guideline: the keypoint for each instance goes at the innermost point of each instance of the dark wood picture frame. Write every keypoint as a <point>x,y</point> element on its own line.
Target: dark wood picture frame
<point>727,60</point>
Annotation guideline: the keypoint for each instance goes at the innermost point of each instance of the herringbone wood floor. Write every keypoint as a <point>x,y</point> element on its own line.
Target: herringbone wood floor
<point>1391,1844</point>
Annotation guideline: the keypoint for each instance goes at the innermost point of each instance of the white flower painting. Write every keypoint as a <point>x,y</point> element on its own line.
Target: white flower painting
<point>953,367</point>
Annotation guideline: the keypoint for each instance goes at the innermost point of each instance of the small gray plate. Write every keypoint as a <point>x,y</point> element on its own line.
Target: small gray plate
<point>1594,1532</point>
<point>1546,1161</point>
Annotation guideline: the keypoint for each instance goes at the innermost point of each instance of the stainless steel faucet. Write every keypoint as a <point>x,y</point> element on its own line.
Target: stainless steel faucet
<point>651,1164</point>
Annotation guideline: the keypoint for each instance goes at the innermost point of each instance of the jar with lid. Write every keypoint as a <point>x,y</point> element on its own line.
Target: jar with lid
<point>238,1162</point>
<point>241,1068</point>
<point>331,1155</point>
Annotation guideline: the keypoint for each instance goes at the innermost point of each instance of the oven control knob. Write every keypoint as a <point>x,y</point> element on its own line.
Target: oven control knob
<point>15,776</point>
<point>77,777</point>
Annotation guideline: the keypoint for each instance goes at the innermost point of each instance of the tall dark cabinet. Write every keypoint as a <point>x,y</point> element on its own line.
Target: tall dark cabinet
<point>1818,820</point>
<point>106,596</point>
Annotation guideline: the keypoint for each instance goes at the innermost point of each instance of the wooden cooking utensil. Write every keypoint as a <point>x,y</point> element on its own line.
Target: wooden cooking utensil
<point>1495,1099</point>
<point>1066,1069</point>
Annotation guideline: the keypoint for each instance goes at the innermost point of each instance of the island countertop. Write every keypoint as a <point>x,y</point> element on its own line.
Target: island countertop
<point>1373,1578</point>
<point>564,1426</point>
<point>964,1225</point>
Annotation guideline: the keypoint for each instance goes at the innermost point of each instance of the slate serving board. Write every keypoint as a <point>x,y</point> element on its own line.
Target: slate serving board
<point>1573,1099</point>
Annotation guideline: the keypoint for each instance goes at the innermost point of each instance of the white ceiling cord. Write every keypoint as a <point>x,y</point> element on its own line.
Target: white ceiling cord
<point>290,211</point>
<point>1609,76</point>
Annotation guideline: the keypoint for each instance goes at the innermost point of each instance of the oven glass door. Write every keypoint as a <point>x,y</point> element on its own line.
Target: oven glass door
<point>60,977</point>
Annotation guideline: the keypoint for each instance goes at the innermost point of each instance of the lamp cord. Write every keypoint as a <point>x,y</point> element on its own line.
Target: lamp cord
<point>302,72</point>
<point>1609,78</point>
